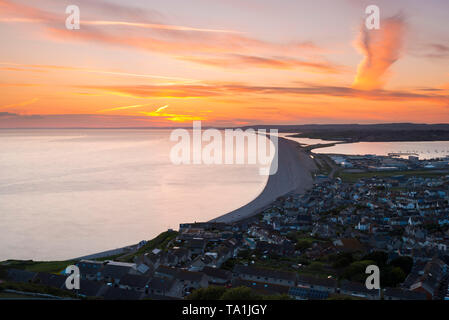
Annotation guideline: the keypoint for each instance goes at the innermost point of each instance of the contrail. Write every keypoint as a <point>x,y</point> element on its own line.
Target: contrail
<point>125,107</point>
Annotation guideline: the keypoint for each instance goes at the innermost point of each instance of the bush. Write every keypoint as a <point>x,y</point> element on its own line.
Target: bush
<point>405,263</point>
<point>210,293</point>
<point>391,276</point>
<point>277,297</point>
<point>244,254</point>
<point>3,272</point>
<point>160,242</point>
<point>343,260</point>
<point>303,244</point>
<point>380,258</point>
<point>240,293</point>
<point>356,270</point>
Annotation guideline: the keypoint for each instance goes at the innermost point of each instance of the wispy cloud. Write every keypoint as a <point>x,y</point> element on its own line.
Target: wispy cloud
<point>432,50</point>
<point>153,26</point>
<point>124,24</point>
<point>234,89</point>
<point>19,104</point>
<point>124,108</point>
<point>284,63</point>
<point>40,67</point>
<point>181,42</point>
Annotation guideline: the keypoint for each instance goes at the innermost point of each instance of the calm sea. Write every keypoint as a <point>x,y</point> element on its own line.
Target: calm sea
<point>69,193</point>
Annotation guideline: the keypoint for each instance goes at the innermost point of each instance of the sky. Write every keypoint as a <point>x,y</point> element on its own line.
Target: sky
<point>158,63</point>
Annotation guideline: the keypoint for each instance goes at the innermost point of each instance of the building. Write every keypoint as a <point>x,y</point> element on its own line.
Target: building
<point>264,275</point>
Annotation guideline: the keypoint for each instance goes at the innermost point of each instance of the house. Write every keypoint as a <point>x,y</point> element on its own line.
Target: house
<point>113,271</point>
<point>217,276</point>
<point>144,270</point>
<point>183,254</point>
<point>18,275</point>
<point>359,290</point>
<point>188,279</point>
<point>427,285</point>
<point>165,288</point>
<point>223,254</point>
<point>113,293</point>
<point>284,249</point>
<point>159,297</point>
<point>403,294</point>
<point>134,282</point>
<point>90,270</point>
<point>152,260</point>
<point>166,272</point>
<point>233,245</point>
<point>202,261</point>
<point>50,280</point>
<point>204,226</point>
<point>196,245</point>
<point>264,275</point>
<point>304,221</point>
<point>305,293</point>
<point>262,288</point>
<point>90,288</point>
<point>169,259</point>
<point>192,280</point>
<point>348,245</point>
<point>320,284</point>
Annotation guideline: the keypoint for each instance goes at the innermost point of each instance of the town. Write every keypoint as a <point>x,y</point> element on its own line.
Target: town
<point>362,210</point>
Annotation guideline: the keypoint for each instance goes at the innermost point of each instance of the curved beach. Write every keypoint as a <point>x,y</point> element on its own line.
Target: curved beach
<point>294,174</point>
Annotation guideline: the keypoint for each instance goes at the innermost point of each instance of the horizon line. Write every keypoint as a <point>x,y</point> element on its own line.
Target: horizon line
<point>236,127</point>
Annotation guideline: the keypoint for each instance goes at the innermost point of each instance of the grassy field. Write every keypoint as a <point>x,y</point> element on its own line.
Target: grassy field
<point>160,242</point>
<point>322,165</point>
<point>38,266</point>
<point>35,288</point>
<point>6,295</point>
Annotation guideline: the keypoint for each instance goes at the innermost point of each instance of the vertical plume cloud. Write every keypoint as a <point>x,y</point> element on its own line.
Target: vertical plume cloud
<point>381,48</point>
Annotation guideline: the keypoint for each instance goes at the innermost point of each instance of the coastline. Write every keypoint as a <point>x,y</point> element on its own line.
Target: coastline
<point>294,174</point>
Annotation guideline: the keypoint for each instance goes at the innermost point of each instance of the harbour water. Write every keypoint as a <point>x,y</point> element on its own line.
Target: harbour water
<point>424,150</point>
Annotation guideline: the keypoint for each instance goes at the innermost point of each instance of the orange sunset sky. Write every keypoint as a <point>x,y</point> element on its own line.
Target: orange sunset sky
<point>142,63</point>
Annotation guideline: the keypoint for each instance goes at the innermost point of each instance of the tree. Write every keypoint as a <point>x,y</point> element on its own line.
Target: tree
<point>356,270</point>
<point>405,263</point>
<point>240,293</point>
<point>391,276</point>
<point>210,293</point>
<point>245,254</point>
<point>343,259</point>
<point>303,244</point>
<point>277,297</point>
<point>380,258</point>
<point>3,272</point>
